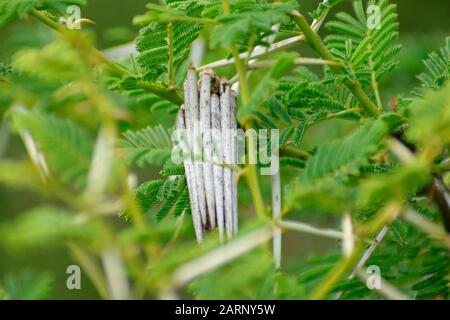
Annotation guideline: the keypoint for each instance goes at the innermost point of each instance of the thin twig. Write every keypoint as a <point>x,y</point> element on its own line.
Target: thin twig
<point>370,250</point>
<point>102,161</point>
<point>432,229</point>
<point>298,61</point>
<point>442,199</point>
<point>93,271</point>
<point>276,215</point>
<point>307,228</point>
<point>385,290</point>
<point>401,151</point>
<point>348,241</point>
<point>224,254</point>
<point>382,218</point>
<point>84,44</point>
<point>367,254</point>
<point>317,44</point>
<point>116,274</point>
<point>260,51</point>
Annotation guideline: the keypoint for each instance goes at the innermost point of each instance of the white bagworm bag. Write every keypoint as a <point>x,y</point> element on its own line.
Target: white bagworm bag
<point>208,119</point>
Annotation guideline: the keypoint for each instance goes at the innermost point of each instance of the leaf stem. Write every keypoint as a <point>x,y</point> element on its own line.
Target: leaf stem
<point>385,216</point>
<point>374,83</point>
<point>242,73</point>
<point>170,53</point>
<point>294,152</point>
<point>317,44</point>
<point>158,90</point>
<point>336,274</point>
<point>307,228</point>
<point>298,61</point>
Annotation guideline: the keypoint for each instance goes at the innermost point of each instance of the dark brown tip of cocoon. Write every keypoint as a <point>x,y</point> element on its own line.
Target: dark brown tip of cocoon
<point>224,83</point>
<point>209,72</point>
<point>215,86</point>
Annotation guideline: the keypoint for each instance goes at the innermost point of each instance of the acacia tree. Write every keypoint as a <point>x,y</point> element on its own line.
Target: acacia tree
<point>86,121</point>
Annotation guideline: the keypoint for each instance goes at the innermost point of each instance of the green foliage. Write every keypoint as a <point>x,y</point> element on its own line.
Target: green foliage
<point>365,50</point>
<point>175,170</point>
<point>12,9</point>
<point>151,145</point>
<point>303,100</point>
<point>41,227</point>
<point>324,7</point>
<point>348,154</point>
<point>438,68</point>
<point>174,196</point>
<point>333,155</point>
<point>19,175</point>
<point>327,181</point>
<point>268,83</point>
<point>66,146</point>
<point>5,69</point>
<point>26,285</point>
<point>255,270</point>
<point>147,194</point>
<point>171,194</point>
<point>408,260</point>
<point>58,63</point>
<point>129,86</point>
<point>248,18</point>
<point>299,133</point>
<point>394,185</point>
<point>164,45</point>
<point>429,117</point>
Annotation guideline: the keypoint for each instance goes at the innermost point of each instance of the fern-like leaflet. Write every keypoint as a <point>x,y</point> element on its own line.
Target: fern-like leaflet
<point>11,9</point>
<point>151,145</point>
<point>368,51</point>
<point>172,194</point>
<point>163,45</point>
<point>67,146</point>
<point>438,68</point>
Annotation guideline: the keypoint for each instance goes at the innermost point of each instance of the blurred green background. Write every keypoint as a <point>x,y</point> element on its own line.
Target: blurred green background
<point>423,27</point>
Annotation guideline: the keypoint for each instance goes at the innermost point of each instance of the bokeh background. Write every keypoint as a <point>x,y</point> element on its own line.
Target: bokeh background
<point>423,27</point>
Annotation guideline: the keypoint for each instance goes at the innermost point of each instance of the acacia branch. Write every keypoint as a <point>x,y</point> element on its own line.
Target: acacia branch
<point>317,44</point>
<point>276,214</point>
<point>298,61</point>
<point>386,289</point>
<point>385,216</point>
<point>220,256</point>
<point>119,70</point>
<point>434,230</point>
<point>261,51</point>
<point>307,228</point>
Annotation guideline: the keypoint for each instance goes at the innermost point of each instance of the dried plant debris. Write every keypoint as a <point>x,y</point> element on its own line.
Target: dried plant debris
<point>208,119</point>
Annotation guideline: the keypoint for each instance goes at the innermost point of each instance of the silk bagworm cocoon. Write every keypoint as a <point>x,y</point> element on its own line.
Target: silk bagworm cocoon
<point>210,119</point>
<point>205,122</point>
<point>217,159</point>
<point>183,139</point>
<point>225,110</point>
<point>193,125</point>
